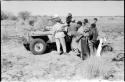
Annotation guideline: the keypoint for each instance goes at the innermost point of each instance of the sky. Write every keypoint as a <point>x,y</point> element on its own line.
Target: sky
<point>77,8</point>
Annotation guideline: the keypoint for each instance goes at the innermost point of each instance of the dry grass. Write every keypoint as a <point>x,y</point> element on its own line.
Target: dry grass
<point>5,37</point>
<point>19,64</point>
<point>96,67</point>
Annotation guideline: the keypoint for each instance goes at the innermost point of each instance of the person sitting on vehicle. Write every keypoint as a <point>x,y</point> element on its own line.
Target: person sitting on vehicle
<point>93,37</point>
<point>59,34</point>
<point>69,19</point>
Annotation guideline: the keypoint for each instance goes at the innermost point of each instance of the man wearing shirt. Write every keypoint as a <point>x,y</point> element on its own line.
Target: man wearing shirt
<point>93,37</point>
<point>59,34</point>
<point>69,19</point>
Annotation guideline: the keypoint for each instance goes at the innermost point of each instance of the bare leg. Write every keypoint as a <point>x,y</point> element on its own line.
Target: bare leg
<point>58,45</point>
<point>62,41</point>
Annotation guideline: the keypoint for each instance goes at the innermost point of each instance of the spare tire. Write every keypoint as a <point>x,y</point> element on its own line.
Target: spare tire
<point>37,46</point>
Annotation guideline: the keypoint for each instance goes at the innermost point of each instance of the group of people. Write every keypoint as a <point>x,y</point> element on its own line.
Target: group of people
<point>83,35</point>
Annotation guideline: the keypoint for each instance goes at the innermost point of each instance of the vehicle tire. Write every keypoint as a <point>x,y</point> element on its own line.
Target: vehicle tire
<point>37,46</point>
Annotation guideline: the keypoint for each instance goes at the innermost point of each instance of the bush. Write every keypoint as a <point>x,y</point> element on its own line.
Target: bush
<point>7,16</point>
<point>24,15</point>
<point>3,16</point>
<point>42,21</point>
<point>97,67</point>
<point>32,20</point>
<point>12,17</point>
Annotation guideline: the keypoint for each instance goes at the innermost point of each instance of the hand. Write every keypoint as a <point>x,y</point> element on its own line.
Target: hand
<point>86,34</point>
<point>69,33</point>
<point>53,32</point>
<point>77,40</point>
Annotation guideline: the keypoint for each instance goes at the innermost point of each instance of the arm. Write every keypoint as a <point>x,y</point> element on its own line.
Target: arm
<point>48,28</point>
<point>81,36</point>
<point>62,28</point>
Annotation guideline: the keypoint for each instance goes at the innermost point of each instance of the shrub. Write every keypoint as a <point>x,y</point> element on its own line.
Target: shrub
<point>42,22</point>
<point>97,67</point>
<point>12,17</point>
<point>32,20</point>
<point>3,16</point>
<point>24,15</point>
<point>8,15</point>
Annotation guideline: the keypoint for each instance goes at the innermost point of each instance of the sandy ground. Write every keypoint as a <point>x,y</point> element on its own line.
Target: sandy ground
<point>18,64</point>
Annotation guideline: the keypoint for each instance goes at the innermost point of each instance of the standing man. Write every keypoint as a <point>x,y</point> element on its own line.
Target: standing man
<point>69,19</point>
<point>59,35</point>
<point>94,21</point>
<point>93,35</point>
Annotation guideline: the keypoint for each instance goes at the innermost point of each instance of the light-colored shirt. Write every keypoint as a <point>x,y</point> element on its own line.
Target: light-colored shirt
<point>81,30</point>
<point>58,28</point>
<point>84,30</point>
<point>73,27</point>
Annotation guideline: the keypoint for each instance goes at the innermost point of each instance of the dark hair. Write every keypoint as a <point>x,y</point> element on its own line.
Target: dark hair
<point>95,19</point>
<point>79,22</point>
<point>69,14</point>
<point>93,25</point>
<point>86,21</point>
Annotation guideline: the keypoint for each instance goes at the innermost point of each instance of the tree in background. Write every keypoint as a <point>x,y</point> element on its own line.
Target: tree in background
<point>7,16</point>
<point>3,16</point>
<point>24,15</point>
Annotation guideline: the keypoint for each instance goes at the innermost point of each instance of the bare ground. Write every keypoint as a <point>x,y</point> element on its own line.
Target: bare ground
<point>18,64</point>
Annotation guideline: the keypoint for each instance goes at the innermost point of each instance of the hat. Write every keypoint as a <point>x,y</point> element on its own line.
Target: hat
<point>55,16</point>
<point>69,14</point>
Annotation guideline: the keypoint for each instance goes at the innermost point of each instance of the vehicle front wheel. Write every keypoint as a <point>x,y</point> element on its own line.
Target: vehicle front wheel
<point>37,46</point>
